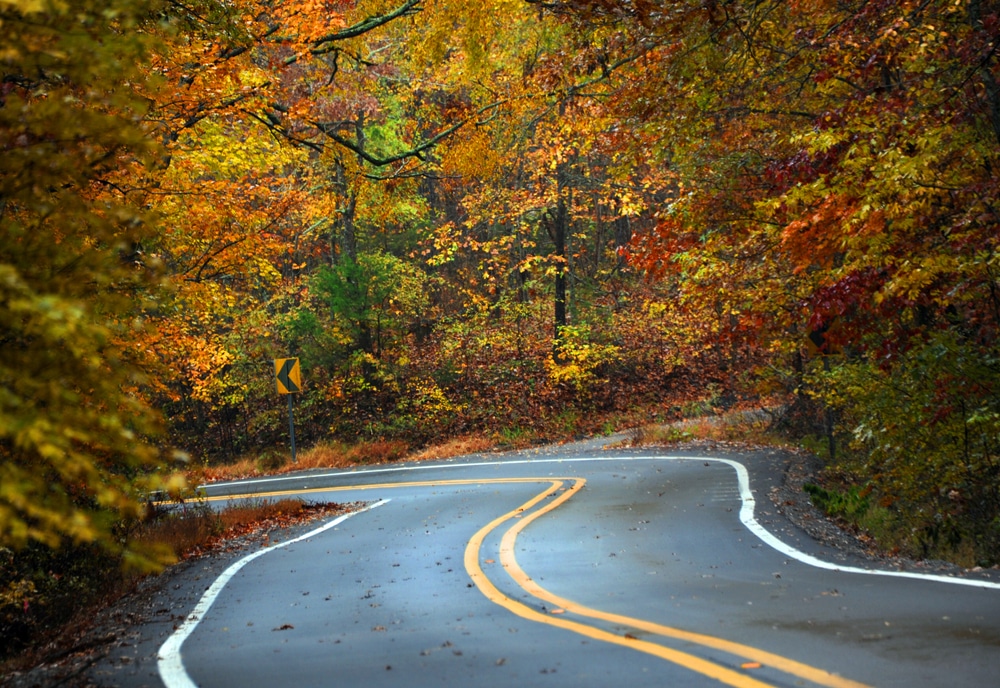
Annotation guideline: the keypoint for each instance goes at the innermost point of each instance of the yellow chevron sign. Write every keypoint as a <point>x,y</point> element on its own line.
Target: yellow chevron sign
<point>287,375</point>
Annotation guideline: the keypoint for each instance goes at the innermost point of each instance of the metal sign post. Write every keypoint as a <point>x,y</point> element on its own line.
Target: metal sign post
<point>288,378</point>
<point>291,427</point>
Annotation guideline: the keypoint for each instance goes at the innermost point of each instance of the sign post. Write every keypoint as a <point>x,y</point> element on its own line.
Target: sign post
<point>288,378</point>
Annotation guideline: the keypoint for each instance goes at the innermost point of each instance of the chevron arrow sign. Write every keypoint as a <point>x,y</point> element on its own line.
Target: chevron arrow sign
<point>288,375</point>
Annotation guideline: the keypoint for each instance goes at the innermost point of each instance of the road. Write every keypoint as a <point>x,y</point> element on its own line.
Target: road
<point>575,568</point>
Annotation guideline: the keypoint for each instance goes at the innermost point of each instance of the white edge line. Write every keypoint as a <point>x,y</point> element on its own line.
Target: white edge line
<point>748,520</point>
<point>747,517</point>
<point>169,661</point>
<point>746,511</point>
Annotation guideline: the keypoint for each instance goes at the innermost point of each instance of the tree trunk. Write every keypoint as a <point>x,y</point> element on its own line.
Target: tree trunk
<point>559,227</point>
<point>990,86</point>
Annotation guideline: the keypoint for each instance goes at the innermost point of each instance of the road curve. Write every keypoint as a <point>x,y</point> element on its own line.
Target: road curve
<point>576,568</point>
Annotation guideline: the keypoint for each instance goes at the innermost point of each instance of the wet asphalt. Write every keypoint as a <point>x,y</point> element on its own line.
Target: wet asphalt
<point>387,597</point>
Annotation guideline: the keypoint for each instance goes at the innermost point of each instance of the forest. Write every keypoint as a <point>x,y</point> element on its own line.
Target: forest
<point>524,220</point>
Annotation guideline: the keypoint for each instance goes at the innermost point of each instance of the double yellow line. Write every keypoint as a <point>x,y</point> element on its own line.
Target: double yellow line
<point>702,666</point>
<point>524,515</point>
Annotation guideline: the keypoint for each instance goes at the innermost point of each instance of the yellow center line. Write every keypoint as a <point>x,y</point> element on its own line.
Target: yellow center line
<point>697,664</point>
<point>509,563</point>
<point>788,666</point>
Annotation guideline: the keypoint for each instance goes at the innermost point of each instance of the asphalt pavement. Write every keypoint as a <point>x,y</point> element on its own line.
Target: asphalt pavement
<point>569,566</point>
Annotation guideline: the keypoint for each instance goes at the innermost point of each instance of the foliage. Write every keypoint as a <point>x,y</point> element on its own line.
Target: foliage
<point>75,453</point>
<point>580,360</point>
<point>42,588</point>
<point>513,219</point>
<point>925,432</point>
<point>851,505</point>
<point>831,190</point>
<point>854,508</point>
<point>372,299</point>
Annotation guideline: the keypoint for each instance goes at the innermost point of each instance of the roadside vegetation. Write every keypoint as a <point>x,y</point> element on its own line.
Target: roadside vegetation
<point>491,224</point>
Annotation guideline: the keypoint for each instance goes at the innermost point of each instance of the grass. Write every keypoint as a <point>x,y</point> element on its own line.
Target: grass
<point>193,527</point>
<point>752,427</point>
<point>459,446</point>
<point>849,504</point>
<point>322,455</point>
<point>338,455</point>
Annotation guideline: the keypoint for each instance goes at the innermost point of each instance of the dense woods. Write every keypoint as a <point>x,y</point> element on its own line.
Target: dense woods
<point>514,218</point>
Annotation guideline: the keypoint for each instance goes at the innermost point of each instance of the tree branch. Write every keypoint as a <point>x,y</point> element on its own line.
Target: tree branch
<point>407,8</point>
<point>329,129</point>
<point>415,152</point>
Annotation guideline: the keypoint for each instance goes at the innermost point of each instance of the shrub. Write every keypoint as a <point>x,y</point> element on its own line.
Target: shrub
<point>925,438</point>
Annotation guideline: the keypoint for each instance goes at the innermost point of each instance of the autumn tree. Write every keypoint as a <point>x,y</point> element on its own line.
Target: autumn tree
<point>835,168</point>
<point>75,448</point>
<point>246,196</point>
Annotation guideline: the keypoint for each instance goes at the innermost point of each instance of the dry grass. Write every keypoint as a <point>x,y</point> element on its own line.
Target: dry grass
<point>193,526</point>
<point>243,513</point>
<point>742,427</point>
<point>322,455</point>
<point>241,468</point>
<point>378,451</point>
<point>180,532</point>
<point>459,446</point>
<point>336,455</point>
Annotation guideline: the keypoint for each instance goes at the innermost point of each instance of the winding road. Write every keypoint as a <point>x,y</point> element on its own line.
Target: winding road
<point>574,567</point>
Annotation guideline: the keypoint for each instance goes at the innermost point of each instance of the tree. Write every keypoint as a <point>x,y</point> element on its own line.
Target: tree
<point>76,454</point>
<point>836,168</point>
